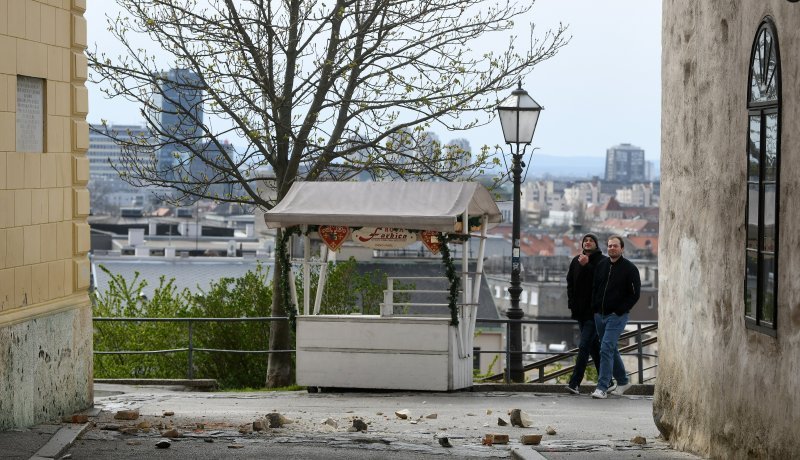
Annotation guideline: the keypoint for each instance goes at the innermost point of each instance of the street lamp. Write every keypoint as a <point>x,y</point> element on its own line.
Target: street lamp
<point>518,116</point>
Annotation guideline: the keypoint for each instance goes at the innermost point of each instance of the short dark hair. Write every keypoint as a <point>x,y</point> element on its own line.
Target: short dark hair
<point>618,238</point>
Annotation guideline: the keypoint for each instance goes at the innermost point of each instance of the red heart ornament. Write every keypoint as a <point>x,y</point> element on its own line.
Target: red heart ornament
<point>334,236</point>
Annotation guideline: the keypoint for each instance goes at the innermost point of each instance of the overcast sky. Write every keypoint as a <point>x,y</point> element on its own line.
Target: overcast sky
<point>602,89</point>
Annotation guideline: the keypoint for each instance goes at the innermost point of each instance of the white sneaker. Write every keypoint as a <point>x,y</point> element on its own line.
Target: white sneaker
<point>621,389</point>
<point>599,394</point>
<point>612,387</point>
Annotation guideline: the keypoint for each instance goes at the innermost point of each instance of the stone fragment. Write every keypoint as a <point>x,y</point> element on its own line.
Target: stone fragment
<point>235,446</point>
<point>639,440</point>
<point>110,427</point>
<point>520,418</point>
<point>171,433</point>
<point>330,422</point>
<point>378,413</point>
<point>259,425</point>
<point>168,413</point>
<point>444,442</point>
<point>403,414</point>
<point>432,416</point>
<point>488,412</point>
<point>129,430</point>
<point>501,422</point>
<point>144,426</point>
<point>530,439</point>
<point>276,420</point>
<point>134,443</point>
<point>245,429</point>
<point>359,425</point>
<point>79,418</point>
<point>495,438</point>
<point>550,430</point>
<point>414,422</point>
<point>127,414</point>
<point>163,444</point>
<point>208,439</point>
<point>470,414</point>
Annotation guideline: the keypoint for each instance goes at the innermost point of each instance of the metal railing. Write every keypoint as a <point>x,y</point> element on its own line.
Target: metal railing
<point>190,349</point>
<point>635,349</point>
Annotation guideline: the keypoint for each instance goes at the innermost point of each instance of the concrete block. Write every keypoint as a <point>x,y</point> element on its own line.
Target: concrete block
<point>63,99</point>
<point>64,170</point>
<point>32,244</point>
<point>4,106</point>
<point>31,58</point>
<point>39,206</point>
<point>3,172</point>
<point>80,135</point>
<point>68,212</point>
<point>80,66</point>
<point>82,239</point>
<point>8,55</point>
<point>48,15</point>
<point>14,251</point>
<point>33,21</point>
<point>49,242</point>
<point>3,248</point>
<point>64,240</point>
<point>50,94</point>
<point>79,5</point>
<point>81,267</point>
<point>81,203</point>
<point>39,278</point>
<point>69,277</point>
<point>54,141</point>
<point>80,165</point>
<point>66,124</point>
<point>4,15</point>
<point>8,130</point>
<point>48,170</point>
<point>54,64</point>
<point>6,289</point>
<point>15,174</point>
<point>78,31</point>
<point>63,28</point>
<point>22,286</point>
<point>6,208</point>
<point>33,170</point>
<point>16,18</point>
<point>80,100</point>
<point>22,207</point>
<point>55,283</point>
<point>55,205</point>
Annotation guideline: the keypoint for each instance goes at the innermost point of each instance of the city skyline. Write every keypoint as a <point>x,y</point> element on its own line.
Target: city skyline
<point>602,89</point>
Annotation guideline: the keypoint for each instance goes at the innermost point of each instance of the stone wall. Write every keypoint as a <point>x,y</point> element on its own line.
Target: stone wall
<point>45,317</point>
<point>723,391</point>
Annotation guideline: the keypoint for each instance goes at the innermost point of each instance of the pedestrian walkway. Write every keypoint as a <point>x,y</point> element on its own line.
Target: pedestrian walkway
<point>320,425</point>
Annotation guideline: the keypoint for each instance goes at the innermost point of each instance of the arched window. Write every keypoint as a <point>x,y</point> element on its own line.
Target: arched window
<point>763,168</point>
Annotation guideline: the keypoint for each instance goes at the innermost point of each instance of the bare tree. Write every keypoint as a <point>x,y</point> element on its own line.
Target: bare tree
<point>316,90</point>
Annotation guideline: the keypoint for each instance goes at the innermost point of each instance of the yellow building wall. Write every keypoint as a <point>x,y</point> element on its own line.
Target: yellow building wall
<point>44,237</point>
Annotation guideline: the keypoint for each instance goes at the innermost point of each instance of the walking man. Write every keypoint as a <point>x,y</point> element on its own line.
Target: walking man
<point>579,298</point>
<point>616,290</point>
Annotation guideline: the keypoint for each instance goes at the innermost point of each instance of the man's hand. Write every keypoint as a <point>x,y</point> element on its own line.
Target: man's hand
<point>583,259</point>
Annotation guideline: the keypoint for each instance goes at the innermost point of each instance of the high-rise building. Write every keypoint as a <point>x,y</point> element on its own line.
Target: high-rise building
<point>625,163</point>
<point>179,102</point>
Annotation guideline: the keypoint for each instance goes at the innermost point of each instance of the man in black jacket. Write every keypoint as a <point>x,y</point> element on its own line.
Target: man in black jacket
<point>579,298</point>
<point>615,291</point>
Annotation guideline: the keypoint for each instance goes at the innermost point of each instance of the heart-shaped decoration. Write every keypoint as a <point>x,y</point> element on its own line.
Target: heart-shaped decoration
<point>430,239</point>
<point>334,236</point>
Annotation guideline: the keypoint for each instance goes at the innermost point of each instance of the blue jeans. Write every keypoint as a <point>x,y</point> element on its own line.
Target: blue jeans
<point>589,346</point>
<point>609,328</point>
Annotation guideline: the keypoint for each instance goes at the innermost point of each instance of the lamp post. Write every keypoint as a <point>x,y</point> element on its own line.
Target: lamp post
<point>518,116</point>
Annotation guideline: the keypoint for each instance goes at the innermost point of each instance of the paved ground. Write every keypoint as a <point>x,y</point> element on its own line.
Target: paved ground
<point>219,425</point>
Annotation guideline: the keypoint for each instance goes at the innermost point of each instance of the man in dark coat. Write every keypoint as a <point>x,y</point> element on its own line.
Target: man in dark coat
<point>580,277</point>
<point>616,290</point>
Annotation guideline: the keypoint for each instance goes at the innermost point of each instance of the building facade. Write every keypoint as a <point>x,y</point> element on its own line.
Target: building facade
<point>625,163</point>
<point>729,334</point>
<point>45,314</point>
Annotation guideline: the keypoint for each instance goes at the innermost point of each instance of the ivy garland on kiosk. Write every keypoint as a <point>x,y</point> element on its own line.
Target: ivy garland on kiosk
<point>282,254</point>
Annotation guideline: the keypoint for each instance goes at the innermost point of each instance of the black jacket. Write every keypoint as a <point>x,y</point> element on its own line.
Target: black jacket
<point>616,286</point>
<point>579,286</point>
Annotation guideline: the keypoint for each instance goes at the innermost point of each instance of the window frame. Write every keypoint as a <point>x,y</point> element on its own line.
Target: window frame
<point>763,110</point>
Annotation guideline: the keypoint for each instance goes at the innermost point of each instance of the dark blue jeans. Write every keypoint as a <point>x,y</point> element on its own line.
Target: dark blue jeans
<point>588,346</point>
<point>609,328</point>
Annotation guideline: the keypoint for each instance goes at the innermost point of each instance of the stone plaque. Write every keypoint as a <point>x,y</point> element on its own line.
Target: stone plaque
<point>30,114</point>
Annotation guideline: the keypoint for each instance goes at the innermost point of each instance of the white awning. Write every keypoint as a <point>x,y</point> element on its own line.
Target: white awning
<point>412,205</point>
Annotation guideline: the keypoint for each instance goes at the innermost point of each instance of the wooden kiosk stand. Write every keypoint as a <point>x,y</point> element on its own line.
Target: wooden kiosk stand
<point>387,351</point>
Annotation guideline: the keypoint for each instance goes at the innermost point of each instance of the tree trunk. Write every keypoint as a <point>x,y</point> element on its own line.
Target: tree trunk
<point>280,368</point>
